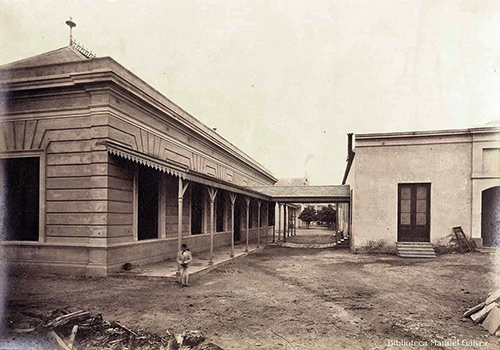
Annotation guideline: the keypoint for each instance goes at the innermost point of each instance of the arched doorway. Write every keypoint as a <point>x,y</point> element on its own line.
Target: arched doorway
<point>490,217</point>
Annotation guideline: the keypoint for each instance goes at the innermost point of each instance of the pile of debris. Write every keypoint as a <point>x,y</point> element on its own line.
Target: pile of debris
<point>82,330</point>
<point>487,313</point>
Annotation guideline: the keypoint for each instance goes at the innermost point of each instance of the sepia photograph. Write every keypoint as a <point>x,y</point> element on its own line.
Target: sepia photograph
<point>249,174</point>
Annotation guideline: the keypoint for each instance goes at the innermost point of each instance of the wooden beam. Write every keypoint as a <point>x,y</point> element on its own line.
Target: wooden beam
<point>212,192</point>
<point>181,191</point>
<point>247,201</point>
<point>232,196</point>
<point>258,224</point>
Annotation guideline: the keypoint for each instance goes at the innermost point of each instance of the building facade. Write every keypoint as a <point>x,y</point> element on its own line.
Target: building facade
<point>100,169</point>
<point>417,186</point>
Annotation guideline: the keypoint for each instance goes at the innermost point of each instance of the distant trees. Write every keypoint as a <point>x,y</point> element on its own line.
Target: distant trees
<point>328,215</point>
<point>308,215</point>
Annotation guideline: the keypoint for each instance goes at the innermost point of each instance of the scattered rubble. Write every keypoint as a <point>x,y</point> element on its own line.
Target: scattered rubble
<point>81,330</point>
<point>487,313</point>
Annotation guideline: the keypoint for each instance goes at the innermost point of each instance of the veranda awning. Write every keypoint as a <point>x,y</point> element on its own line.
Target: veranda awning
<point>169,167</point>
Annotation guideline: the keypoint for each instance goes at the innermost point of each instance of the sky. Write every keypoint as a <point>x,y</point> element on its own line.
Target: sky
<point>285,81</point>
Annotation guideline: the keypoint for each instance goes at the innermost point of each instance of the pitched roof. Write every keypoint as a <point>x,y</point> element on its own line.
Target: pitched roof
<point>62,55</point>
<point>305,194</point>
<point>54,67</point>
<point>295,181</point>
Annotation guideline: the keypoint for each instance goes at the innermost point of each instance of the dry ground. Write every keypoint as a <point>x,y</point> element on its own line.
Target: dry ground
<point>285,298</point>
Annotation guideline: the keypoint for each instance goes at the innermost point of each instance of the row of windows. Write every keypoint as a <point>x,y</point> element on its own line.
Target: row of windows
<point>148,207</point>
<point>20,202</point>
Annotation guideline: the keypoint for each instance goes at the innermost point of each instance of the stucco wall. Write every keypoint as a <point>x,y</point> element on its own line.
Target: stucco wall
<point>379,168</point>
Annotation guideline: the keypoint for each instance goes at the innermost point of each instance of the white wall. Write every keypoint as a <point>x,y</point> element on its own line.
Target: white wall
<point>381,164</point>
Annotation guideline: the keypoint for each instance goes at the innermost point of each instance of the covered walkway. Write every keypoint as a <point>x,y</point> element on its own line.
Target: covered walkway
<point>201,263</point>
<point>314,238</point>
<point>287,199</point>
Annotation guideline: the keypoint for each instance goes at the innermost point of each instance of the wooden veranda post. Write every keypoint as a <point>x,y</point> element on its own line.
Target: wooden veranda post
<point>266,221</point>
<point>274,223</point>
<point>258,224</point>
<point>182,190</point>
<point>337,218</point>
<point>279,221</point>
<point>295,222</point>
<point>233,200</point>
<point>212,192</point>
<point>247,200</point>
<point>284,223</point>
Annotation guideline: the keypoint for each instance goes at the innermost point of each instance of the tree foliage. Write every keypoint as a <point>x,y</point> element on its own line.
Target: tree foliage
<point>328,215</point>
<point>308,215</point>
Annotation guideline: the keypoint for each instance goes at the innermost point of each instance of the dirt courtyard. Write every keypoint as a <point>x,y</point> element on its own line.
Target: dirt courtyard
<point>285,298</point>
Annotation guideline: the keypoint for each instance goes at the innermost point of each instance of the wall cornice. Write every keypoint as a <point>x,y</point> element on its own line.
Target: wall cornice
<point>96,73</point>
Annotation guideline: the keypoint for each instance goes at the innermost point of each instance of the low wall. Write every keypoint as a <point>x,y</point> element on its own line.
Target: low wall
<point>100,261</point>
<point>253,232</point>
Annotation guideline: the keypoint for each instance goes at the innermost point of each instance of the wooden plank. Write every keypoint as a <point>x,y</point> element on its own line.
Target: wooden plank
<point>41,141</point>
<point>171,211</point>
<point>123,137</point>
<point>84,241</point>
<point>99,169</point>
<point>116,324</point>
<point>104,181</point>
<point>120,219</point>
<point>120,207</point>
<point>120,231</point>
<point>19,128</point>
<point>120,183</point>
<point>3,140</point>
<point>481,315</point>
<point>493,297</point>
<point>151,144</point>
<point>175,153</point>
<point>120,239</point>
<point>69,146</point>
<point>58,340</point>
<point>72,336</point>
<point>171,227</point>
<point>67,231</point>
<point>8,131</point>
<point>64,123</point>
<point>126,172</point>
<point>474,309</point>
<point>29,133</point>
<point>43,103</point>
<point>99,132</point>
<point>68,183</point>
<point>143,144</point>
<point>65,159</point>
<point>73,194</point>
<point>78,207</point>
<point>120,195</point>
<point>76,219</point>
<point>61,320</point>
<point>68,170</point>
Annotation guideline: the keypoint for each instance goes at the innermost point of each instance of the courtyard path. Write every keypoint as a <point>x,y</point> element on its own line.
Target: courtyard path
<point>282,298</point>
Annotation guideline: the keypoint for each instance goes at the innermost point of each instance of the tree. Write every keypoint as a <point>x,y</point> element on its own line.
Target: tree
<point>328,215</point>
<point>308,215</point>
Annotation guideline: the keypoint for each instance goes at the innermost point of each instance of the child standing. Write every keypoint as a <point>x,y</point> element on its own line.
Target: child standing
<point>184,257</point>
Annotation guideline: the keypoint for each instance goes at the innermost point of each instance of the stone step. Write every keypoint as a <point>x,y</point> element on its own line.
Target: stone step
<point>420,249</point>
<point>415,250</point>
<point>414,243</point>
<point>416,254</point>
<point>429,256</point>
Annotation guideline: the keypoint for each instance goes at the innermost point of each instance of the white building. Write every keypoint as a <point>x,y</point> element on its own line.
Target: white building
<point>417,186</point>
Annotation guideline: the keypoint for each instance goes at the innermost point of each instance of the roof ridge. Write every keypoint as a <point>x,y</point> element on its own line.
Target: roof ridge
<point>61,55</point>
